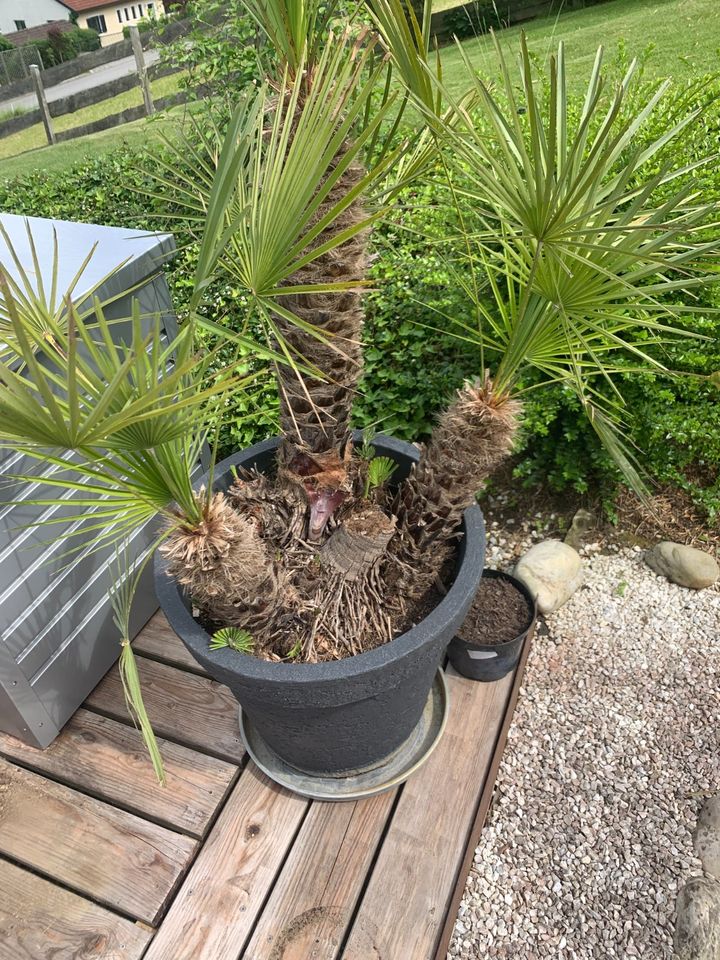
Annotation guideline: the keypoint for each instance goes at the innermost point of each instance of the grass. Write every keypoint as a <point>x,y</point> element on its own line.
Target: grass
<point>34,137</point>
<point>680,32</point>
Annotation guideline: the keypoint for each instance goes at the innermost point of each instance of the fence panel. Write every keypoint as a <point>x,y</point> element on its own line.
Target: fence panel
<point>15,64</point>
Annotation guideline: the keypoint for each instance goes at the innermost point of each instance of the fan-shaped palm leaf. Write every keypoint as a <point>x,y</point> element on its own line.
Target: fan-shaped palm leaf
<point>579,241</point>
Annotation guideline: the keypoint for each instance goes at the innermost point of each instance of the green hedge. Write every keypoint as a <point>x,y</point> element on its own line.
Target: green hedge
<point>59,47</point>
<point>412,364</point>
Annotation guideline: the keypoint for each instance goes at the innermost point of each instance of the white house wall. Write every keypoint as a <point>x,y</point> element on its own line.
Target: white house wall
<point>33,12</point>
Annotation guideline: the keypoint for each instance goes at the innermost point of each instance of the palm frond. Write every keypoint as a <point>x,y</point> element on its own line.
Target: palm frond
<point>295,29</point>
<point>122,594</point>
<point>580,235</point>
<point>77,388</point>
<point>38,299</point>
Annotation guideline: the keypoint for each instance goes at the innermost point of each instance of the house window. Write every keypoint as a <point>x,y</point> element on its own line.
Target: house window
<point>119,13</point>
<point>127,15</point>
<point>97,23</point>
<point>149,9</point>
<point>140,9</point>
<point>20,25</point>
<point>133,12</point>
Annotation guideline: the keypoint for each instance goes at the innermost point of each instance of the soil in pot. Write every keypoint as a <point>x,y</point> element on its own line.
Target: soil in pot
<point>499,613</point>
<point>489,642</point>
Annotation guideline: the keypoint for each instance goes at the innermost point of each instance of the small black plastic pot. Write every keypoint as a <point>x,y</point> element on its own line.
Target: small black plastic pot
<point>488,662</point>
<point>343,715</point>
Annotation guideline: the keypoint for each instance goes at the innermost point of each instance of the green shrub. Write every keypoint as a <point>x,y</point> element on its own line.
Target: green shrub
<point>144,26</point>
<point>59,47</point>
<point>219,53</point>
<point>83,40</point>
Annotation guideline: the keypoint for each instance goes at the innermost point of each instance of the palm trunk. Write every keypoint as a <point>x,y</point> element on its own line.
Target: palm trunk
<point>314,412</point>
<point>472,437</point>
<point>225,567</point>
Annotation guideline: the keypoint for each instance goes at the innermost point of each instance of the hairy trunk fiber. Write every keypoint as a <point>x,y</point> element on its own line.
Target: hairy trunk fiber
<point>314,412</point>
<point>472,437</point>
<point>225,567</point>
<point>352,607</point>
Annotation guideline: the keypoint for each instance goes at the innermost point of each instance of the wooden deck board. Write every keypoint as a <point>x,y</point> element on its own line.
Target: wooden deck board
<point>41,921</point>
<point>195,711</point>
<point>110,855</point>
<point>158,641</point>
<point>314,898</point>
<point>215,911</point>
<point>221,863</point>
<point>426,840</point>
<point>107,759</point>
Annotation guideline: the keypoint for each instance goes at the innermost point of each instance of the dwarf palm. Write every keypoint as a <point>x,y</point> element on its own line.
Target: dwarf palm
<point>566,255</point>
<point>575,242</point>
<point>303,178</point>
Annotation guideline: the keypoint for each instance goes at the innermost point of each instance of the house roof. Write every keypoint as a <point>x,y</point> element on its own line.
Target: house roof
<point>82,6</point>
<point>39,32</point>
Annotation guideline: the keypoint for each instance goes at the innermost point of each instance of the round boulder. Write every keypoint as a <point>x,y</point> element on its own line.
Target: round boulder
<point>707,837</point>
<point>552,571</point>
<point>683,565</point>
<point>697,928</point>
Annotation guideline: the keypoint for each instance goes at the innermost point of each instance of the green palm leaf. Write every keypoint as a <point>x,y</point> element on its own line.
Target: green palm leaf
<point>576,237</point>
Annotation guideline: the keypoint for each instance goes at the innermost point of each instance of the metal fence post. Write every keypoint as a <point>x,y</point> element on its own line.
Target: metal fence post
<point>142,69</point>
<point>42,101</point>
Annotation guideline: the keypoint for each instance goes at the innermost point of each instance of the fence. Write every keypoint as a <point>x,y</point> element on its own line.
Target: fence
<point>47,112</point>
<point>85,62</point>
<point>15,64</point>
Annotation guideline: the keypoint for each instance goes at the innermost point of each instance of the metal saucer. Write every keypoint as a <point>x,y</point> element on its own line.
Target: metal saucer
<point>357,784</point>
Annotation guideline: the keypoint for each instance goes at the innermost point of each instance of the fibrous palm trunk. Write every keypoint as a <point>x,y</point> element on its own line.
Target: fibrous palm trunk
<point>225,566</point>
<point>314,411</point>
<point>472,437</point>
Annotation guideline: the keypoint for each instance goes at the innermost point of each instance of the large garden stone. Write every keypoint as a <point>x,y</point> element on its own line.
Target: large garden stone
<point>697,928</point>
<point>552,571</point>
<point>707,837</point>
<point>684,565</point>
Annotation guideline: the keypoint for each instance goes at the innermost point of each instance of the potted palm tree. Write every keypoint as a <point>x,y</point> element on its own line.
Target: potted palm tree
<point>321,575</point>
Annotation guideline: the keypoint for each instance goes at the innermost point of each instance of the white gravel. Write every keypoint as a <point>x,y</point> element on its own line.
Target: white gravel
<point>613,748</point>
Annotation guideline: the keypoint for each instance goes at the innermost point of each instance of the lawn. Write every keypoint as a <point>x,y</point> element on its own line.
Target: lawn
<point>683,33</point>
<point>684,41</point>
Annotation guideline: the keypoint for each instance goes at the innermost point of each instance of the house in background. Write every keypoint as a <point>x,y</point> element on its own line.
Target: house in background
<point>39,32</point>
<point>18,15</point>
<point>108,19</point>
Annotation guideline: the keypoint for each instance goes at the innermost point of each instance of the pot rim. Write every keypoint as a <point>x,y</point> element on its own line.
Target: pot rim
<point>175,607</point>
<point>491,573</point>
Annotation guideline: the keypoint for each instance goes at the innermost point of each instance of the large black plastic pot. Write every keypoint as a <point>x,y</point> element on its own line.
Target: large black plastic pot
<point>489,662</point>
<point>345,714</point>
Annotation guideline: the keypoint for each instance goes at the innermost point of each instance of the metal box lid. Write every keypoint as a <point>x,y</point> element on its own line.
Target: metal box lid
<point>138,253</point>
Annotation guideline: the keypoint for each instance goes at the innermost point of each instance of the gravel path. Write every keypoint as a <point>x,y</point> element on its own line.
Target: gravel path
<point>613,748</point>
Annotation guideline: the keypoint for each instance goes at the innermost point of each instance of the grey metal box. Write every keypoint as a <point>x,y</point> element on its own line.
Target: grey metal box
<point>57,637</point>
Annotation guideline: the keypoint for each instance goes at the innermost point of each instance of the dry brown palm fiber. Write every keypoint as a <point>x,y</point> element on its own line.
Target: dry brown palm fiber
<point>314,412</point>
<point>472,437</point>
<point>224,565</point>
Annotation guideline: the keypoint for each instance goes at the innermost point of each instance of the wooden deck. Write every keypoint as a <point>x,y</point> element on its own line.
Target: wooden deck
<point>97,861</point>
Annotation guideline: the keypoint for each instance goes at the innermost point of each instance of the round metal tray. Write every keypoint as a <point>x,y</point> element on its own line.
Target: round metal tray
<point>357,784</point>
